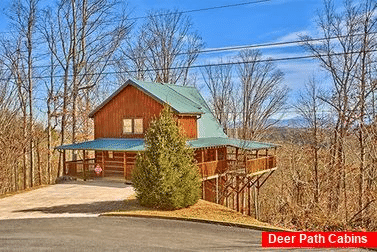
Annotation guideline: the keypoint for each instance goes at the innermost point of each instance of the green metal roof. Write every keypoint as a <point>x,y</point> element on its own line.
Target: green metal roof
<point>107,144</point>
<point>184,100</point>
<point>207,123</point>
<point>132,144</point>
<point>162,93</point>
<point>232,142</point>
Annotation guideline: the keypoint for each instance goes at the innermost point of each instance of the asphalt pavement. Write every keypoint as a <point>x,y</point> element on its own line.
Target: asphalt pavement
<point>126,234</point>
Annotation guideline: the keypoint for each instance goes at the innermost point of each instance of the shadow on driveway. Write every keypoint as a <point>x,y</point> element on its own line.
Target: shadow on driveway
<point>100,183</point>
<point>92,208</point>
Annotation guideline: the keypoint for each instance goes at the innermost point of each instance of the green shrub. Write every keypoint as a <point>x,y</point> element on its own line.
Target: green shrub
<point>165,175</point>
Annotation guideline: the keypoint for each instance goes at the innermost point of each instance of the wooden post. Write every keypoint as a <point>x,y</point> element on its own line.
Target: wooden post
<point>125,165</point>
<point>217,190</point>
<point>242,197</point>
<point>266,159</point>
<point>226,192</point>
<point>256,199</point>
<point>84,164</point>
<point>237,195</point>
<point>257,154</point>
<point>103,164</point>
<point>64,164</point>
<point>249,198</point>
<point>245,159</point>
<point>204,190</point>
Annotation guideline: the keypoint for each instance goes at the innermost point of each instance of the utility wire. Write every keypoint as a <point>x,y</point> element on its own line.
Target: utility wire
<point>186,11</point>
<point>232,48</point>
<point>200,66</point>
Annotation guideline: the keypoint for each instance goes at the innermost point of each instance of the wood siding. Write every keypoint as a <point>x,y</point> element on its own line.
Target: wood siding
<point>129,103</point>
<point>189,126</point>
<point>132,103</point>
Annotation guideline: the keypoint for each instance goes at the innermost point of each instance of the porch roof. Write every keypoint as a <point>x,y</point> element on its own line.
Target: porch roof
<point>136,144</point>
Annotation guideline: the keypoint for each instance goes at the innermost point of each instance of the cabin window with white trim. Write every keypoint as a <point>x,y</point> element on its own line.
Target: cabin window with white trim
<point>138,126</point>
<point>127,126</point>
<point>133,126</point>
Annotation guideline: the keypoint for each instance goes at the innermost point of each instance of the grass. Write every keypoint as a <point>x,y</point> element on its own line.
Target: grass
<point>202,211</point>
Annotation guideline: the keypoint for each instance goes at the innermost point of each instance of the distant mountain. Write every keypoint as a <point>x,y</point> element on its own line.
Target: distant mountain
<point>295,122</point>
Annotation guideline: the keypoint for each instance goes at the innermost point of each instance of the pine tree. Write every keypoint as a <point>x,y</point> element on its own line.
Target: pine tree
<point>165,175</point>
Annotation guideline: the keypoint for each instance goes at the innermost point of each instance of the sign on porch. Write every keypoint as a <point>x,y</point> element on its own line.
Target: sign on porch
<point>98,169</point>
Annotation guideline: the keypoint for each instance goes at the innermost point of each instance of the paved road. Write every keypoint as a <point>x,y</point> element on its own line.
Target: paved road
<point>28,223</point>
<point>125,234</point>
<point>74,199</point>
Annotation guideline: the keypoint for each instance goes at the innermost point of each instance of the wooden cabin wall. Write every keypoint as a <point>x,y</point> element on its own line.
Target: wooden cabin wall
<point>133,103</point>
<point>129,103</point>
<point>189,126</point>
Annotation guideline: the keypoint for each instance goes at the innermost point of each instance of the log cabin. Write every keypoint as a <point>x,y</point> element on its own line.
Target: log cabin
<point>121,121</point>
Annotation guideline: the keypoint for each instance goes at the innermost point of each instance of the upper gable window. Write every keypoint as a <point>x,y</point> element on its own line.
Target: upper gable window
<point>133,126</point>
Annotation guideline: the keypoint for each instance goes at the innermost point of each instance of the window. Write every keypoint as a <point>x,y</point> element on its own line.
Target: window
<point>138,126</point>
<point>127,126</point>
<point>133,126</point>
<point>111,154</point>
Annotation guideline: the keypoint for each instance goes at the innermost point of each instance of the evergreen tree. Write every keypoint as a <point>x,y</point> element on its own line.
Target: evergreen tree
<point>165,175</point>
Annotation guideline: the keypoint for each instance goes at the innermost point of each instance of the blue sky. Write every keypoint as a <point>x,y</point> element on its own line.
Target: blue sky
<point>273,21</point>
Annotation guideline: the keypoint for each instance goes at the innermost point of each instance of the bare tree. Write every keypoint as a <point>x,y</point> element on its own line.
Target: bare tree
<point>263,93</point>
<point>310,107</point>
<point>218,80</point>
<point>168,45</point>
<point>82,39</point>
<point>347,54</point>
<point>20,58</point>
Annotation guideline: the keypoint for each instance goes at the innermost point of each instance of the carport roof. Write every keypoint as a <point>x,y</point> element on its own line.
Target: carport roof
<point>132,144</point>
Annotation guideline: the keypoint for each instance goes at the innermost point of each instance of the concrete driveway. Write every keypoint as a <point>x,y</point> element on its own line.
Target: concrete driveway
<point>72,199</point>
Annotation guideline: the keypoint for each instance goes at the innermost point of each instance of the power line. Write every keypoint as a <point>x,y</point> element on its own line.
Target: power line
<point>233,48</point>
<point>186,11</point>
<point>202,65</point>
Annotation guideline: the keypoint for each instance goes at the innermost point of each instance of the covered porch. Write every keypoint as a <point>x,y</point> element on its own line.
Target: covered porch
<point>108,157</point>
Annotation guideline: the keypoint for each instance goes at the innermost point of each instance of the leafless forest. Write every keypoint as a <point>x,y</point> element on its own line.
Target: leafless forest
<point>60,61</point>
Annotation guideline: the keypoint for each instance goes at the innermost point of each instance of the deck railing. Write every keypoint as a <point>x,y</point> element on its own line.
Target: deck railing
<point>212,167</point>
<point>252,165</point>
<point>260,164</point>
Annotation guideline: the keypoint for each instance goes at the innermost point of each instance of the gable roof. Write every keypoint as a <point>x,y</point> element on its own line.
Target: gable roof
<point>183,100</point>
<point>163,93</point>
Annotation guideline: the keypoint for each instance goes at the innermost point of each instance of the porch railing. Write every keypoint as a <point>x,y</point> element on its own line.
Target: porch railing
<point>79,168</point>
<point>212,167</point>
<point>260,164</point>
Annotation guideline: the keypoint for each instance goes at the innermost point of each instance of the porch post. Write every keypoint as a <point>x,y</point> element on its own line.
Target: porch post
<point>217,189</point>
<point>103,163</point>
<point>64,164</point>
<point>84,164</point>
<point>266,159</point>
<point>125,165</point>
